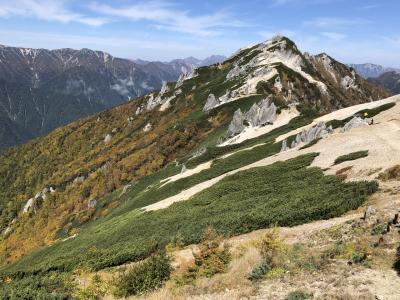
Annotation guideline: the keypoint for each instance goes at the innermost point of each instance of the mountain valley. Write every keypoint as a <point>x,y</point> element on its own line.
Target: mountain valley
<point>41,89</point>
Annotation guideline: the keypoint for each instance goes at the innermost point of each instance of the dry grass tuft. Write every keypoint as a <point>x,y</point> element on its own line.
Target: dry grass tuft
<point>392,173</point>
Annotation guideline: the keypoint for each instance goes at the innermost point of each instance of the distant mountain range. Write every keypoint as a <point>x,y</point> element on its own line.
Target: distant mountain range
<point>43,89</point>
<point>388,80</point>
<point>369,70</point>
<point>191,61</point>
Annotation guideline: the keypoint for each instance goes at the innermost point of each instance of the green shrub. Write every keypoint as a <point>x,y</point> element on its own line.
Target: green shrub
<point>379,229</point>
<point>351,156</point>
<point>259,271</point>
<point>52,286</point>
<point>211,258</point>
<point>312,143</point>
<point>299,295</point>
<point>144,277</point>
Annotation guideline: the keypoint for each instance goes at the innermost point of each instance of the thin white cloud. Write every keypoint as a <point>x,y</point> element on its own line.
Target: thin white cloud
<point>165,16</point>
<point>281,2</point>
<point>47,10</point>
<point>335,22</point>
<point>335,36</point>
<point>303,2</point>
<point>367,7</point>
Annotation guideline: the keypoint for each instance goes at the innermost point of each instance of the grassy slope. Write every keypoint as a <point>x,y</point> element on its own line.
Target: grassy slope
<point>286,193</point>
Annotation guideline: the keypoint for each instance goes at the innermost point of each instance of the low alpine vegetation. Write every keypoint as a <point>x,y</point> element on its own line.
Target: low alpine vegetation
<point>351,156</point>
<point>144,277</point>
<point>299,295</point>
<point>284,193</point>
<point>212,257</point>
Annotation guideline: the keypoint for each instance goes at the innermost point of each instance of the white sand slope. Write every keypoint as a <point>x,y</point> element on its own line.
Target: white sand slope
<point>342,114</point>
<point>188,172</point>
<point>381,139</point>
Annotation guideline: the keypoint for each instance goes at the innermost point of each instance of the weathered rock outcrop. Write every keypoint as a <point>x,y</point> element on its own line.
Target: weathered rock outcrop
<point>285,146</point>
<point>185,76</point>
<point>79,179</point>
<point>308,135</point>
<point>260,114</point>
<point>236,126</point>
<point>164,88</point>
<point>161,99</point>
<point>7,231</point>
<point>126,188</point>
<point>319,130</point>
<point>355,123</point>
<point>211,103</point>
<point>148,127</point>
<point>92,203</point>
<point>184,169</point>
<point>267,113</point>
<point>199,152</point>
<point>107,138</point>
<point>154,101</point>
<point>236,71</point>
<point>32,205</point>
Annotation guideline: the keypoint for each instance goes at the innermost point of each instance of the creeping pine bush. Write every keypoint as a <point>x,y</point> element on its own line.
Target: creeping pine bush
<point>144,277</point>
<point>259,271</point>
<point>299,295</point>
<point>351,156</point>
<point>379,229</point>
<point>211,258</point>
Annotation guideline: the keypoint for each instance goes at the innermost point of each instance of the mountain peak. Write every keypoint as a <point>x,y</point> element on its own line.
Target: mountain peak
<point>370,70</point>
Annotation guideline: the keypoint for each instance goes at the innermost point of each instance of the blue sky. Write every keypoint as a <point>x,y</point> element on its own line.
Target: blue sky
<point>349,30</point>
